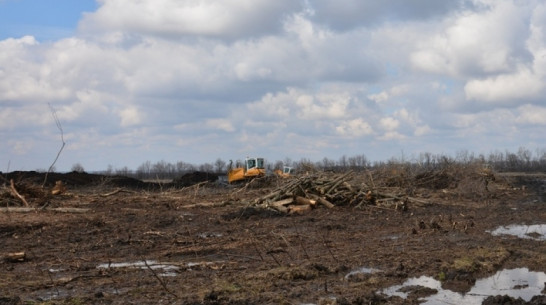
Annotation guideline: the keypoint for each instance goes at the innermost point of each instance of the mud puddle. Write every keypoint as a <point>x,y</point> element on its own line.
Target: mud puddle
<point>165,269</point>
<point>536,232</point>
<point>360,271</point>
<point>516,283</point>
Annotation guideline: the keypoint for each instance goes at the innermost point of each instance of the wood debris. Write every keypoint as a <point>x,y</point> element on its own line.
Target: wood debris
<point>16,193</point>
<point>299,195</point>
<point>59,188</point>
<point>15,257</point>
<point>31,209</point>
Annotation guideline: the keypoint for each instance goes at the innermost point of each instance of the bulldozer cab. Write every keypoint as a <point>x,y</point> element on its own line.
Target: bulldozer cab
<point>252,163</point>
<point>287,170</point>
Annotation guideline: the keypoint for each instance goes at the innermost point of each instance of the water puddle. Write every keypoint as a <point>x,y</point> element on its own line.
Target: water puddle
<point>209,235</point>
<point>516,283</point>
<point>536,232</point>
<point>164,269</point>
<point>362,270</point>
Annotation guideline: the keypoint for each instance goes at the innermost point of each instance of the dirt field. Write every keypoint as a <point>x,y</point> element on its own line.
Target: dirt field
<point>129,242</point>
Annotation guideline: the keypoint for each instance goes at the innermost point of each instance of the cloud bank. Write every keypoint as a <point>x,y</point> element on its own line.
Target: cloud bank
<point>199,80</point>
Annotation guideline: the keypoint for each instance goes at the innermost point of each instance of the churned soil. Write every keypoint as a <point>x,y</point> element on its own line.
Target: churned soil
<point>124,241</point>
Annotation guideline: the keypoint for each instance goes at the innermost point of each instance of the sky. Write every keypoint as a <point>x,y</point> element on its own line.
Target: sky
<point>197,80</point>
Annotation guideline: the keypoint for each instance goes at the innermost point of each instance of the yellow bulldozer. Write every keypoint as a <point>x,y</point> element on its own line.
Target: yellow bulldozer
<point>252,168</point>
<point>286,172</point>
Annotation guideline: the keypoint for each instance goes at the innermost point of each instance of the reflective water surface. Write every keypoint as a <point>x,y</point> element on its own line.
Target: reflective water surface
<point>536,232</point>
<point>516,283</point>
<point>362,270</point>
<point>165,269</point>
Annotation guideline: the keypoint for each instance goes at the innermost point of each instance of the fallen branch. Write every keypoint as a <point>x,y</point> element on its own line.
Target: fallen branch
<point>15,257</point>
<point>15,193</point>
<point>115,192</point>
<point>160,280</point>
<point>205,205</point>
<point>29,210</point>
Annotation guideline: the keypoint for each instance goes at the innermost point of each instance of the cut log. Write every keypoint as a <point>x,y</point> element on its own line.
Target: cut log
<point>59,188</point>
<point>283,202</point>
<point>325,202</point>
<point>304,201</point>
<point>15,257</point>
<point>280,208</point>
<point>299,209</point>
<point>322,201</point>
<point>280,205</point>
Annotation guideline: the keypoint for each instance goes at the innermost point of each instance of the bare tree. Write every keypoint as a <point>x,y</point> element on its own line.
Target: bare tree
<point>220,165</point>
<point>110,170</point>
<point>143,170</point>
<point>207,168</point>
<point>328,164</point>
<point>58,123</point>
<point>342,163</point>
<point>183,167</point>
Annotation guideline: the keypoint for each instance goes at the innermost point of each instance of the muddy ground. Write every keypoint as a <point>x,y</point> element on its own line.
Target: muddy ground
<point>138,243</point>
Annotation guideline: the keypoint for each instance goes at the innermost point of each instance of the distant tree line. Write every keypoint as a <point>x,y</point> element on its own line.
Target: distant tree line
<point>523,160</point>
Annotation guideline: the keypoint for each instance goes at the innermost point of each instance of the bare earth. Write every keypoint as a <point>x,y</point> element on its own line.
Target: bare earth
<point>205,244</point>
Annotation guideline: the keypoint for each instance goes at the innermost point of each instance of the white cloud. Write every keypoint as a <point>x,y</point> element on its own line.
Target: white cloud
<point>531,115</point>
<point>229,18</point>
<point>486,41</point>
<point>275,106</point>
<point>354,128</point>
<point>221,124</point>
<point>505,89</point>
<point>130,116</point>
<point>422,130</point>
<point>88,105</point>
<point>303,105</point>
<point>392,135</point>
<point>379,97</point>
<point>21,76</point>
<point>384,96</point>
<point>299,77</point>
<point>322,106</point>
<point>498,121</point>
<point>22,147</point>
<point>389,123</point>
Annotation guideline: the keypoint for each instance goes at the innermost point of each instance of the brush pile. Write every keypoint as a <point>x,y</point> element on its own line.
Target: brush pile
<point>301,194</point>
<point>393,188</point>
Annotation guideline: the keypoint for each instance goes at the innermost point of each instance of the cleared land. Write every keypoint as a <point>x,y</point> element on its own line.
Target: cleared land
<point>116,240</point>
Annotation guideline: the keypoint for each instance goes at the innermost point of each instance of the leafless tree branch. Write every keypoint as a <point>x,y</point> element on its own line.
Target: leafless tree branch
<point>58,123</point>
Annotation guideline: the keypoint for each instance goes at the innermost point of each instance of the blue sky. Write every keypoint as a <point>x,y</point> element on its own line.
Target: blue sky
<point>150,80</point>
<point>45,20</point>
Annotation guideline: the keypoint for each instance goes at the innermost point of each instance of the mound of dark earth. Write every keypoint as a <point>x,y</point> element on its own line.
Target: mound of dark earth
<point>194,178</point>
<point>73,179</point>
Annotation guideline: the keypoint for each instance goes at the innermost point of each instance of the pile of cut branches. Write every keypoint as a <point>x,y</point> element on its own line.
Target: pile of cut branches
<point>300,194</point>
<point>19,193</point>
